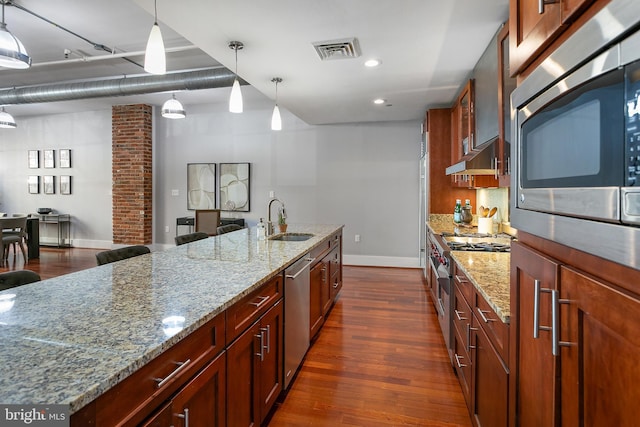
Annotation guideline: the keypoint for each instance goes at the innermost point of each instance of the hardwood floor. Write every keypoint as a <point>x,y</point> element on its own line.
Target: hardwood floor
<point>379,360</point>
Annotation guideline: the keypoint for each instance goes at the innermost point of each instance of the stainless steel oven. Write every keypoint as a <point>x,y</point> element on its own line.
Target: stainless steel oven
<point>576,127</point>
<point>440,281</point>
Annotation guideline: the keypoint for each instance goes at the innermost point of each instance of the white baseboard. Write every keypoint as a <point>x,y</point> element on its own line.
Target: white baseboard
<point>89,244</point>
<point>380,261</point>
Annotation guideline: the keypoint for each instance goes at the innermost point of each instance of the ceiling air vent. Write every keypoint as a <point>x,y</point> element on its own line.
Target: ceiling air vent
<point>338,49</point>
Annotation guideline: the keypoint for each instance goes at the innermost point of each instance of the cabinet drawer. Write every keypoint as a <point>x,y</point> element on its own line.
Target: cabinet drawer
<point>461,315</point>
<point>462,366</point>
<point>334,261</point>
<point>335,238</point>
<point>130,401</point>
<point>319,251</point>
<point>246,311</point>
<point>497,331</point>
<point>464,284</point>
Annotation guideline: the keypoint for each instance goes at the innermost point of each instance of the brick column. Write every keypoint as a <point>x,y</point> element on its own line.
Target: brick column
<point>131,134</point>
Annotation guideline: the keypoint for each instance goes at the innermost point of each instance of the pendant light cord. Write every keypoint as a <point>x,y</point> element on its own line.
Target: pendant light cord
<point>155,12</point>
<point>3,24</point>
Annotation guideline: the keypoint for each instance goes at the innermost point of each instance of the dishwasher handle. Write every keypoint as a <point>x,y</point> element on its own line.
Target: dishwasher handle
<point>294,276</point>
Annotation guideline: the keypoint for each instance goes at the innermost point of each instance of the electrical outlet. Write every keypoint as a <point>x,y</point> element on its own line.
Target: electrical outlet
<point>175,192</point>
<point>357,238</point>
<point>272,194</point>
<point>166,228</point>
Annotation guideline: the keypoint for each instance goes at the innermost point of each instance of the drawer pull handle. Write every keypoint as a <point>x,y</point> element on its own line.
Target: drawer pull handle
<point>542,3</point>
<point>181,367</point>
<point>185,416</point>
<point>484,318</point>
<point>555,322</point>
<point>459,316</point>
<point>262,301</point>
<point>469,329</point>
<point>262,347</point>
<point>335,285</point>
<point>537,289</point>
<point>268,331</point>
<point>460,365</point>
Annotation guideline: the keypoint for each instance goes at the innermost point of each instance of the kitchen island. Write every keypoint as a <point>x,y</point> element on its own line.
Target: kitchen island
<point>70,339</point>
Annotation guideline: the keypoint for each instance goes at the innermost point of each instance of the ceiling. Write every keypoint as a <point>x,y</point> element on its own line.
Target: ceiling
<point>427,49</point>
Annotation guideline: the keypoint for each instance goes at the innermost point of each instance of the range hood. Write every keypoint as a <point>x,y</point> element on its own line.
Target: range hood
<point>478,161</point>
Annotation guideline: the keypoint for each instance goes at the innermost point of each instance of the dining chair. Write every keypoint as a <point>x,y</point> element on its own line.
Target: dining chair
<point>207,221</point>
<point>13,230</point>
<point>11,279</point>
<point>119,254</point>
<point>191,237</point>
<point>228,228</point>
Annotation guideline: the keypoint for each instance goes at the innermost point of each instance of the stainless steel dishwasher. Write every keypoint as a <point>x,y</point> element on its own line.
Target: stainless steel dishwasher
<point>296,316</point>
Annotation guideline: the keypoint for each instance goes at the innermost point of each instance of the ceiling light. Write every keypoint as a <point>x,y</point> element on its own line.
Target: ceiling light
<point>276,120</point>
<point>155,61</point>
<point>372,63</point>
<point>379,101</point>
<point>12,51</point>
<point>173,109</point>
<point>6,120</point>
<point>235,100</point>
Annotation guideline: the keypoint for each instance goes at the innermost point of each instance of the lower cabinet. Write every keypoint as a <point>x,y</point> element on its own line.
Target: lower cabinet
<point>254,367</point>
<point>319,296</point>
<point>201,402</point>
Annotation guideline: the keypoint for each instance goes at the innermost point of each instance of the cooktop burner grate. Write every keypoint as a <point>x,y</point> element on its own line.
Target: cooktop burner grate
<point>479,246</point>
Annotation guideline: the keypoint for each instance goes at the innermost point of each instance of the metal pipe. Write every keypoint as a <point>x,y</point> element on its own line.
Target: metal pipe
<point>189,80</point>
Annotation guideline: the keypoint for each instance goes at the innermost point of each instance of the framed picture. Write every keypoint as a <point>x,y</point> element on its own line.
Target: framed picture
<point>201,186</point>
<point>65,158</point>
<point>234,187</point>
<point>34,159</point>
<point>34,184</point>
<point>48,184</point>
<point>49,159</point>
<point>65,184</point>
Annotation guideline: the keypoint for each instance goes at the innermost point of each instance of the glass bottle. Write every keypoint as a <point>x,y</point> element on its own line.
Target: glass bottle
<point>457,212</point>
<point>262,230</point>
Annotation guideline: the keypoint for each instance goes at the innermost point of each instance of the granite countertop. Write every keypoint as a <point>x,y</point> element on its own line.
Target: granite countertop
<point>69,339</point>
<point>488,271</point>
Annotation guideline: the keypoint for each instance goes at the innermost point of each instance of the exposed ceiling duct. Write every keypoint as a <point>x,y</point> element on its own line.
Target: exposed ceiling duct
<point>187,80</point>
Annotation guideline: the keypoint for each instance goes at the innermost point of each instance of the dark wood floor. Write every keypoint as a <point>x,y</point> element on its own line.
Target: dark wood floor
<point>379,360</point>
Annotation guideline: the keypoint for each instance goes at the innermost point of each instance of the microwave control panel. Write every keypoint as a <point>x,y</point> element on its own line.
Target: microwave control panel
<point>632,122</point>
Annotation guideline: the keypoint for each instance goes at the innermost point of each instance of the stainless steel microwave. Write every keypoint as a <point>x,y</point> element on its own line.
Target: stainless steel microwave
<point>576,134</point>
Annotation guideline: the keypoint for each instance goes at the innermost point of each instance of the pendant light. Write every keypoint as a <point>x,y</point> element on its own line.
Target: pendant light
<point>173,109</point>
<point>235,100</point>
<point>6,120</point>
<point>155,61</point>
<point>276,120</point>
<point>12,51</point>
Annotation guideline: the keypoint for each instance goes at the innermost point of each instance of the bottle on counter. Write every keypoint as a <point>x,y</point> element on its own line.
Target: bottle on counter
<point>457,212</point>
<point>261,229</point>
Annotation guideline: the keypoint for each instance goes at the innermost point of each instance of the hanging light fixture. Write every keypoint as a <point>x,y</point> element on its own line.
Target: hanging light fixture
<point>276,120</point>
<point>173,109</point>
<point>12,51</point>
<point>235,100</point>
<point>7,120</point>
<point>155,61</point>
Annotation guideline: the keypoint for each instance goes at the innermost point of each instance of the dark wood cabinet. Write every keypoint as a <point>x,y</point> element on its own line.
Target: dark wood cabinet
<point>318,282</point>
<point>254,366</point>
<point>506,85</point>
<point>533,381</point>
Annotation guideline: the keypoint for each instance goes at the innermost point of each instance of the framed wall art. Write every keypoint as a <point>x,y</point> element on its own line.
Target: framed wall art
<point>65,184</point>
<point>48,184</point>
<point>235,183</point>
<point>34,159</point>
<point>65,158</point>
<point>201,186</point>
<point>48,158</point>
<point>34,184</point>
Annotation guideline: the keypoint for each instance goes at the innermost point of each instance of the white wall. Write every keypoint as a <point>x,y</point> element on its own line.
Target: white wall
<point>362,175</point>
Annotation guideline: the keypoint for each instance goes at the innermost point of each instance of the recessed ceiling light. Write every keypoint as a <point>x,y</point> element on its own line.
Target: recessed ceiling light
<point>379,101</point>
<point>372,63</point>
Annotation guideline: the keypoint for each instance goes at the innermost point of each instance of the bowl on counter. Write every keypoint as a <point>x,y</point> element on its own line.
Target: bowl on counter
<point>44,211</point>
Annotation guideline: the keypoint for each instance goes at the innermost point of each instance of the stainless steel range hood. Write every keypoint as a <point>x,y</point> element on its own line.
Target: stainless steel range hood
<point>479,161</point>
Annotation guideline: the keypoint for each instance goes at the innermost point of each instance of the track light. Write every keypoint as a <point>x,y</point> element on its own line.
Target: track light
<point>276,119</point>
<point>6,120</point>
<point>235,100</point>
<point>12,51</point>
<point>173,109</point>
<point>155,61</point>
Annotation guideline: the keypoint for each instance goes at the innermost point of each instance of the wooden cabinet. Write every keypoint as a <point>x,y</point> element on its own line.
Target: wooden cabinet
<point>481,343</point>
<point>535,24</point>
<point>506,85</point>
<point>319,295</point>
<point>463,129</point>
<point>254,366</point>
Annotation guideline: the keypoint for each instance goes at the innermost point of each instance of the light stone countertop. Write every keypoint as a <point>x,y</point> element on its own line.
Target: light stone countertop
<point>69,339</point>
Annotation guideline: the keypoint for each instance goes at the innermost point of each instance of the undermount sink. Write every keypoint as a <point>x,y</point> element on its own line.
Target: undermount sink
<point>291,237</point>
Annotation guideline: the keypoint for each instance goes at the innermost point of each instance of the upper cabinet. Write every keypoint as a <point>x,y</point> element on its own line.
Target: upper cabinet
<point>464,121</point>
<point>486,95</point>
<point>534,24</point>
<point>506,85</point>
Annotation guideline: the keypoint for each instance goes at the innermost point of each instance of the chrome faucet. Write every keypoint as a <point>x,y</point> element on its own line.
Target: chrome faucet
<point>270,228</point>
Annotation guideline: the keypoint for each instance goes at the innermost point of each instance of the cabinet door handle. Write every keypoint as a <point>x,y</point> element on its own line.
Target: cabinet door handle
<point>458,315</point>
<point>484,318</point>
<point>496,168</point>
<point>335,284</point>
<point>181,367</point>
<point>555,323</point>
<point>260,336</point>
<point>541,4</point>
<point>259,303</point>
<point>185,416</point>
<point>537,290</point>
<point>469,329</point>
<point>460,365</point>
<point>268,331</point>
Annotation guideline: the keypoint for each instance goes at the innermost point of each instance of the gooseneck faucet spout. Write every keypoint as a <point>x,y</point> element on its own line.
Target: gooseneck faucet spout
<point>270,227</point>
